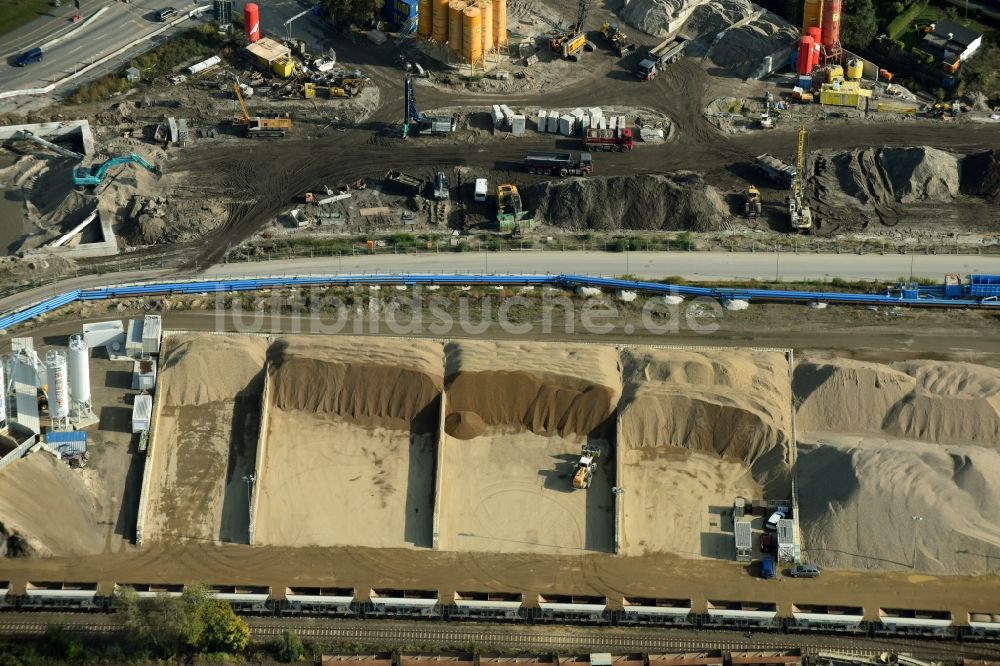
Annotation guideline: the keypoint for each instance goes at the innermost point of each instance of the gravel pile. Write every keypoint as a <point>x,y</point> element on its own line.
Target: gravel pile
<point>873,176</point>
<point>675,202</point>
<point>981,175</point>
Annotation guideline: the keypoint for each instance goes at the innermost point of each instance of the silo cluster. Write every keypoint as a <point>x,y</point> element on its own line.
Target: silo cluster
<point>820,40</point>
<point>470,30</point>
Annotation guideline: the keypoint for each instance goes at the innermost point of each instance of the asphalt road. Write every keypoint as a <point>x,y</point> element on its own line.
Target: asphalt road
<point>694,266</point>
<point>77,45</point>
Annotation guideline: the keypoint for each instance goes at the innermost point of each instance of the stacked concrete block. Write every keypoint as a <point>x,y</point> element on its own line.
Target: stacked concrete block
<point>517,122</point>
<point>553,122</point>
<point>577,116</point>
<point>613,123</point>
<point>595,112</point>
<point>543,121</point>
<point>497,115</point>
<point>621,122</point>
<point>566,125</point>
<point>584,124</point>
<point>602,123</point>
<point>508,114</point>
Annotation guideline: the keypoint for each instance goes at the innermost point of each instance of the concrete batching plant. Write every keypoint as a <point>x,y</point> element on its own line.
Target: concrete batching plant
<point>821,24</point>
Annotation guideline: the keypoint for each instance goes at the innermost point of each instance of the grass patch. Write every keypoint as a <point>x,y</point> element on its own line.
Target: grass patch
<point>16,13</point>
<point>905,20</point>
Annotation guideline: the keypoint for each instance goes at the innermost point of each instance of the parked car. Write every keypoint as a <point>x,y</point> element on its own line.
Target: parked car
<point>767,568</point>
<point>766,542</point>
<point>772,522</point>
<point>805,571</point>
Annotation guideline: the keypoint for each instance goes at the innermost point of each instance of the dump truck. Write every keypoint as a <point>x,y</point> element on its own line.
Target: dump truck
<point>668,51</point>
<point>608,139</point>
<point>561,164</point>
<point>781,173</point>
<point>404,183</point>
<point>583,475</point>
<point>646,70</point>
<point>511,215</point>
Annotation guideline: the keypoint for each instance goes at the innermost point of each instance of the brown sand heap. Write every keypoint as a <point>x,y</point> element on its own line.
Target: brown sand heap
<point>677,201</point>
<point>546,388</point>
<point>981,175</point>
<point>464,425</point>
<point>211,368</point>
<point>47,507</point>
<point>933,401</point>
<point>873,176</point>
<point>858,496</point>
<point>734,404</point>
<point>364,380</point>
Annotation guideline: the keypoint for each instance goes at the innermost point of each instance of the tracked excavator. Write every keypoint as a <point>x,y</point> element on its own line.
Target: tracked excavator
<point>799,215</point>
<point>570,43</point>
<point>260,126</point>
<point>94,175</point>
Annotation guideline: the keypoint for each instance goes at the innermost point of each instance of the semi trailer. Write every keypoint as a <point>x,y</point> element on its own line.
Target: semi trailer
<point>561,164</point>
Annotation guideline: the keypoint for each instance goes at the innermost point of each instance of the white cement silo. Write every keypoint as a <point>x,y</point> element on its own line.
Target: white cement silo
<point>79,374</point>
<point>55,364</point>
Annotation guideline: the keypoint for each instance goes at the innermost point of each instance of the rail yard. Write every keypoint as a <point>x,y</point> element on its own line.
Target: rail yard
<point>716,474</point>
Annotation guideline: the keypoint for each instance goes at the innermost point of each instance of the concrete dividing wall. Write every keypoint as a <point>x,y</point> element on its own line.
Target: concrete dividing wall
<point>148,467</point>
<point>438,471</point>
<point>19,452</point>
<point>258,467</point>
<point>619,497</point>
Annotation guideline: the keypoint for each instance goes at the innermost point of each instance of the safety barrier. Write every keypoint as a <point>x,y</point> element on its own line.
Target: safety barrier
<point>923,297</point>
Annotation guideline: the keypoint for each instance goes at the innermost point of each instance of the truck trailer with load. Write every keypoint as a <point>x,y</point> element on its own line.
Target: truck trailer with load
<point>781,173</point>
<point>668,51</point>
<point>404,183</point>
<point>609,139</point>
<point>561,164</point>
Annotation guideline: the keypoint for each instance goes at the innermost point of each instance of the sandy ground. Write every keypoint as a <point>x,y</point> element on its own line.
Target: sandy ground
<point>327,482</point>
<point>511,491</point>
<point>676,501</point>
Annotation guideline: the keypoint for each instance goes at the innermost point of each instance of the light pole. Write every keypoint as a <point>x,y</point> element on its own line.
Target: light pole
<point>916,521</point>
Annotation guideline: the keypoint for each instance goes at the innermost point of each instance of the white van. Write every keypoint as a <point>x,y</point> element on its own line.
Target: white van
<point>480,189</point>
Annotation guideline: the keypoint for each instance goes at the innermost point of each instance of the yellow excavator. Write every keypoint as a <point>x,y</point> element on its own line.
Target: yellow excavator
<point>752,205</point>
<point>260,126</point>
<point>799,215</point>
<point>569,44</point>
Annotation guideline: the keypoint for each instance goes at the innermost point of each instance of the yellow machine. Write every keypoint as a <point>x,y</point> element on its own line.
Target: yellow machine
<point>799,215</point>
<point>752,205</point>
<point>585,467</point>
<point>570,44</point>
<point>260,126</point>
<point>614,34</point>
<point>347,88</point>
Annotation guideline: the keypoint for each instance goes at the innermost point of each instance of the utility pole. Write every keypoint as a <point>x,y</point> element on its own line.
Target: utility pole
<point>916,521</point>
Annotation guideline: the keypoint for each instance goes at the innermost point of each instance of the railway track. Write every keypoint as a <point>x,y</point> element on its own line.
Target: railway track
<point>539,638</point>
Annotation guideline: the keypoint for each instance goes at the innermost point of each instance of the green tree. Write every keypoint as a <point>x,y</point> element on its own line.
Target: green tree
<point>351,11</point>
<point>60,645</point>
<point>222,629</point>
<point>857,23</point>
<point>288,646</point>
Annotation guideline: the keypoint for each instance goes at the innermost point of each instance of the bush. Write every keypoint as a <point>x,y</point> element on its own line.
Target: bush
<point>904,19</point>
<point>685,241</point>
<point>288,647</point>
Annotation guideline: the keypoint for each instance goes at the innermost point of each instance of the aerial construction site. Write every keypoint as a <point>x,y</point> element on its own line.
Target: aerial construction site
<point>277,304</point>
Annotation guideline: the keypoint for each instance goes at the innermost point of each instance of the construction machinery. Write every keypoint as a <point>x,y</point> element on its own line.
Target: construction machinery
<point>752,205</point>
<point>667,51</point>
<point>511,215</point>
<point>94,175</point>
<point>646,70</point>
<point>561,164</point>
<point>799,215</point>
<point>424,124</point>
<point>609,139</point>
<point>781,173</point>
<point>260,126</point>
<point>347,87</point>
<point>585,467</point>
<point>766,120</point>
<point>619,40</point>
<point>569,44</point>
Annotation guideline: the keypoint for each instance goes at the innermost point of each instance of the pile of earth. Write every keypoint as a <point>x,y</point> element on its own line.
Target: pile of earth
<point>981,175</point>
<point>680,201</point>
<point>741,50</point>
<point>874,176</point>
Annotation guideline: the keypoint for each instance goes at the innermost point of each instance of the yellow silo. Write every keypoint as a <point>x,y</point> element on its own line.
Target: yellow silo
<point>455,26</point>
<point>855,70</point>
<point>486,14</point>
<point>440,14</point>
<point>835,72</point>
<point>425,19</point>
<point>812,15</point>
<point>500,23</point>
<point>472,39</point>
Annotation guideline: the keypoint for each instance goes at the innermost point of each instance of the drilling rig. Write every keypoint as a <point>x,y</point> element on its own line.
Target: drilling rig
<point>569,44</point>
<point>799,215</point>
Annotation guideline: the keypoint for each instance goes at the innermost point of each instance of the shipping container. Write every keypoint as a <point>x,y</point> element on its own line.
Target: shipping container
<point>839,98</point>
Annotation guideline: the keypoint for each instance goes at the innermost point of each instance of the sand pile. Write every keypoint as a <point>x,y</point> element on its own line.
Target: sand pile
<point>364,380</point>
<point>200,369</point>
<point>732,404</point>
<point>47,509</point>
<point>858,496</point>
<point>873,176</point>
<point>932,401</point>
<point>546,388</point>
<point>464,425</point>
<point>678,201</point>
<point>981,175</point>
